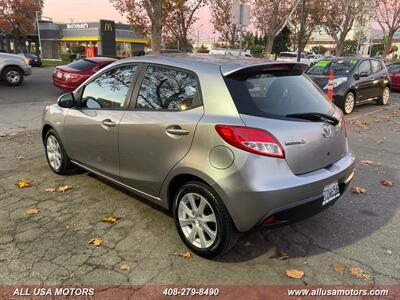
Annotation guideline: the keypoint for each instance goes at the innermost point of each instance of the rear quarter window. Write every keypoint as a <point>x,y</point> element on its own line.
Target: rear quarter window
<point>276,94</point>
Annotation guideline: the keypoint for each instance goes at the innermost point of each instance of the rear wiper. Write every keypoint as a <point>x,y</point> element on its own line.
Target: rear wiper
<point>315,116</point>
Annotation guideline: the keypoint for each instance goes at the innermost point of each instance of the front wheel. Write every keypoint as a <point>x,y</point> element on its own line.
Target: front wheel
<point>13,76</point>
<point>348,103</point>
<point>384,99</point>
<point>202,220</point>
<point>56,156</point>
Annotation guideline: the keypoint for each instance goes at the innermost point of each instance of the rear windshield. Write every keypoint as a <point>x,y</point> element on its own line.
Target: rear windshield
<point>276,94</point>
<point>82,64</point>
<point>340,67</point>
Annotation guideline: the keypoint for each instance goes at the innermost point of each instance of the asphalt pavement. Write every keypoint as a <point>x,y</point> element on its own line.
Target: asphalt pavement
<point>51,246</point>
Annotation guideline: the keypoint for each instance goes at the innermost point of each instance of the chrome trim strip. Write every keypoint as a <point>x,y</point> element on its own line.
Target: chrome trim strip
<point>349,178</point>
<point>116,181</point>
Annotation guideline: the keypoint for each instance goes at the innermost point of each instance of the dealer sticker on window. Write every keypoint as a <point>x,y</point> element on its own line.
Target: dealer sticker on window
<point>331,192</point>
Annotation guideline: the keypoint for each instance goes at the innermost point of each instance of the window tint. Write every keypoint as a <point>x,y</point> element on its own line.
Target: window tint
<point>168,89</point>
<point>276,94</point>
<point>364,67</point>
<point>109,90</point>
<point>340,67</point>
<point>394,68</point>
<point>376,66</point>
<point>81,65</point>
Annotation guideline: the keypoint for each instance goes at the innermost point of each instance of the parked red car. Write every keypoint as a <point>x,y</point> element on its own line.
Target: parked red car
<point>394,71</point>
<point>69,77</point>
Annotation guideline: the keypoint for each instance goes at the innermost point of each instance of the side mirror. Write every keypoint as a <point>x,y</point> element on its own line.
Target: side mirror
<point>66,100</point>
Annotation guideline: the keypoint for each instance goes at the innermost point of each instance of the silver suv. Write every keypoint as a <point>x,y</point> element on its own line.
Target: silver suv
<point>13,68</point>
<point>224,144</point>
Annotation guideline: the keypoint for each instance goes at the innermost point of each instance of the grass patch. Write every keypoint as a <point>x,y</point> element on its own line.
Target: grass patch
<point>54,63</point>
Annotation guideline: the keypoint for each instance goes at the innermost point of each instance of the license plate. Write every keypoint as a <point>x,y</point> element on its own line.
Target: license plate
<point>59,74</point>
<point>331,192</point>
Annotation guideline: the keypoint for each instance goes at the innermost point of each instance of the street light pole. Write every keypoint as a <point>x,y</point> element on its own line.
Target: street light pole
<point>38,32</point>
<point>301,33</point>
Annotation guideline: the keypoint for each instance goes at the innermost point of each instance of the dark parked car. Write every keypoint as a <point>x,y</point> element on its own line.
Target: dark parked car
<point>69,77</point>
<point>34,60</point>
<point>357,80</point>
<point>394,71</point>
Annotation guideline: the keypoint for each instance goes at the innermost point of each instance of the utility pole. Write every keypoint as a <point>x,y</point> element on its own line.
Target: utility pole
<point>301,34</point>
<point>38,32</point>
<point>241,29</point>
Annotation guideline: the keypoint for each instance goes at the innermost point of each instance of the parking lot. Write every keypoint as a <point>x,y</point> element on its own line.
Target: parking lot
<point>51,246</point>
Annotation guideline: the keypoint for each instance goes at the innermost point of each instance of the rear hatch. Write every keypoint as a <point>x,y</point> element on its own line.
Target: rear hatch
<point>281,100</point>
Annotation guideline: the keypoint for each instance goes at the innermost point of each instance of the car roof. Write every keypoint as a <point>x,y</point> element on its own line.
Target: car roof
<point>200,62</point>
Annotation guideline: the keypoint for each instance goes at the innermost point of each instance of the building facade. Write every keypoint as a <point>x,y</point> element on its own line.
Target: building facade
<point>104,37</point>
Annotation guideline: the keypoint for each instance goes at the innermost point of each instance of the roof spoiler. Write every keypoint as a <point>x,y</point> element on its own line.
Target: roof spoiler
<point>293,68</point>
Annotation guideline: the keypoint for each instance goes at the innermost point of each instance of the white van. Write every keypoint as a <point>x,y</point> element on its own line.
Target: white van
<point>231,52</point>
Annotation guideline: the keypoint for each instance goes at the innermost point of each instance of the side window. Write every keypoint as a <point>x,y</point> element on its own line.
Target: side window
<point>168,89</point>
<point>364,68</point>
<point>109,90</point>
<point>376,66</point>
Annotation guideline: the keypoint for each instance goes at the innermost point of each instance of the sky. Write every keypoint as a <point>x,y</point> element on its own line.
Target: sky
<point>68,11</point>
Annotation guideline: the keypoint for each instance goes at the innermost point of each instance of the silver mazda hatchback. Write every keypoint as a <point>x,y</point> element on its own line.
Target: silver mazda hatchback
<point>224,144</point>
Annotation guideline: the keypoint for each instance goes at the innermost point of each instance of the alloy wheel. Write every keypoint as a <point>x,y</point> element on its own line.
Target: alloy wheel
<point>197,220</point>
<point>385,95</point>
<point>54,153</point>
<point>349,103</point>
<point>13,77</point>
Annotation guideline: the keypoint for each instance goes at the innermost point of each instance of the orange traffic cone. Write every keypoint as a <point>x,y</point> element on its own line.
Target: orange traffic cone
<point>330,85</point>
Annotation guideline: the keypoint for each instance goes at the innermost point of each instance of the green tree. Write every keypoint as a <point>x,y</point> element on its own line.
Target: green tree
<point>282,41</point>
<point>350,47</point>
<point>319,49</point>
<point>377,49</point>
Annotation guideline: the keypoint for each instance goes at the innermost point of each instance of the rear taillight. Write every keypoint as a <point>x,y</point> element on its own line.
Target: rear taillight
<point>344,125</point>
<point>251,139</point>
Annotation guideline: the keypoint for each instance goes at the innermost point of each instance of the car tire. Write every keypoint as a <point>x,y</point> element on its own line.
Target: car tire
<point>384,99</point>
<point>349,101</point>
<point>13,76</point>
<point>56,156</point>
<point>207,228</point>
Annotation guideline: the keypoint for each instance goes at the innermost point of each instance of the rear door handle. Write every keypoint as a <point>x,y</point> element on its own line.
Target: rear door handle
<point>109,123</point>
<point>177,130</point>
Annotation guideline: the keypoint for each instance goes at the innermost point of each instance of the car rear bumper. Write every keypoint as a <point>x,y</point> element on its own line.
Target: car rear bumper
<point>254,194</point>
<point>66,87</point>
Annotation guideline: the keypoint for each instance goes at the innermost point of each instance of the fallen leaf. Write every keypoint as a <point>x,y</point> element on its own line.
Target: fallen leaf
<point>64,188</point>
<point>187,255</point>
<point>358,190</point>
<point>369,163</point>
<point>293,273</point>
<point>3,134</point>
<point>387,183</point>
<point>380,142</point>
<point>32,211</point>
<point>124,267</point>
<point>359,273</point>
<point>110,219</point>
<point>23,183</point>
<point>19,157</point>
<point>96,241</point>
<point>282,256</point>
<point>339,267</point>
<point>50,190</point>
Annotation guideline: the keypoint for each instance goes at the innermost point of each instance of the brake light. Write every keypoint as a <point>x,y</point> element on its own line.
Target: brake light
<point>72,76</point>
<point>344,125</point>
<point>252,140</point>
